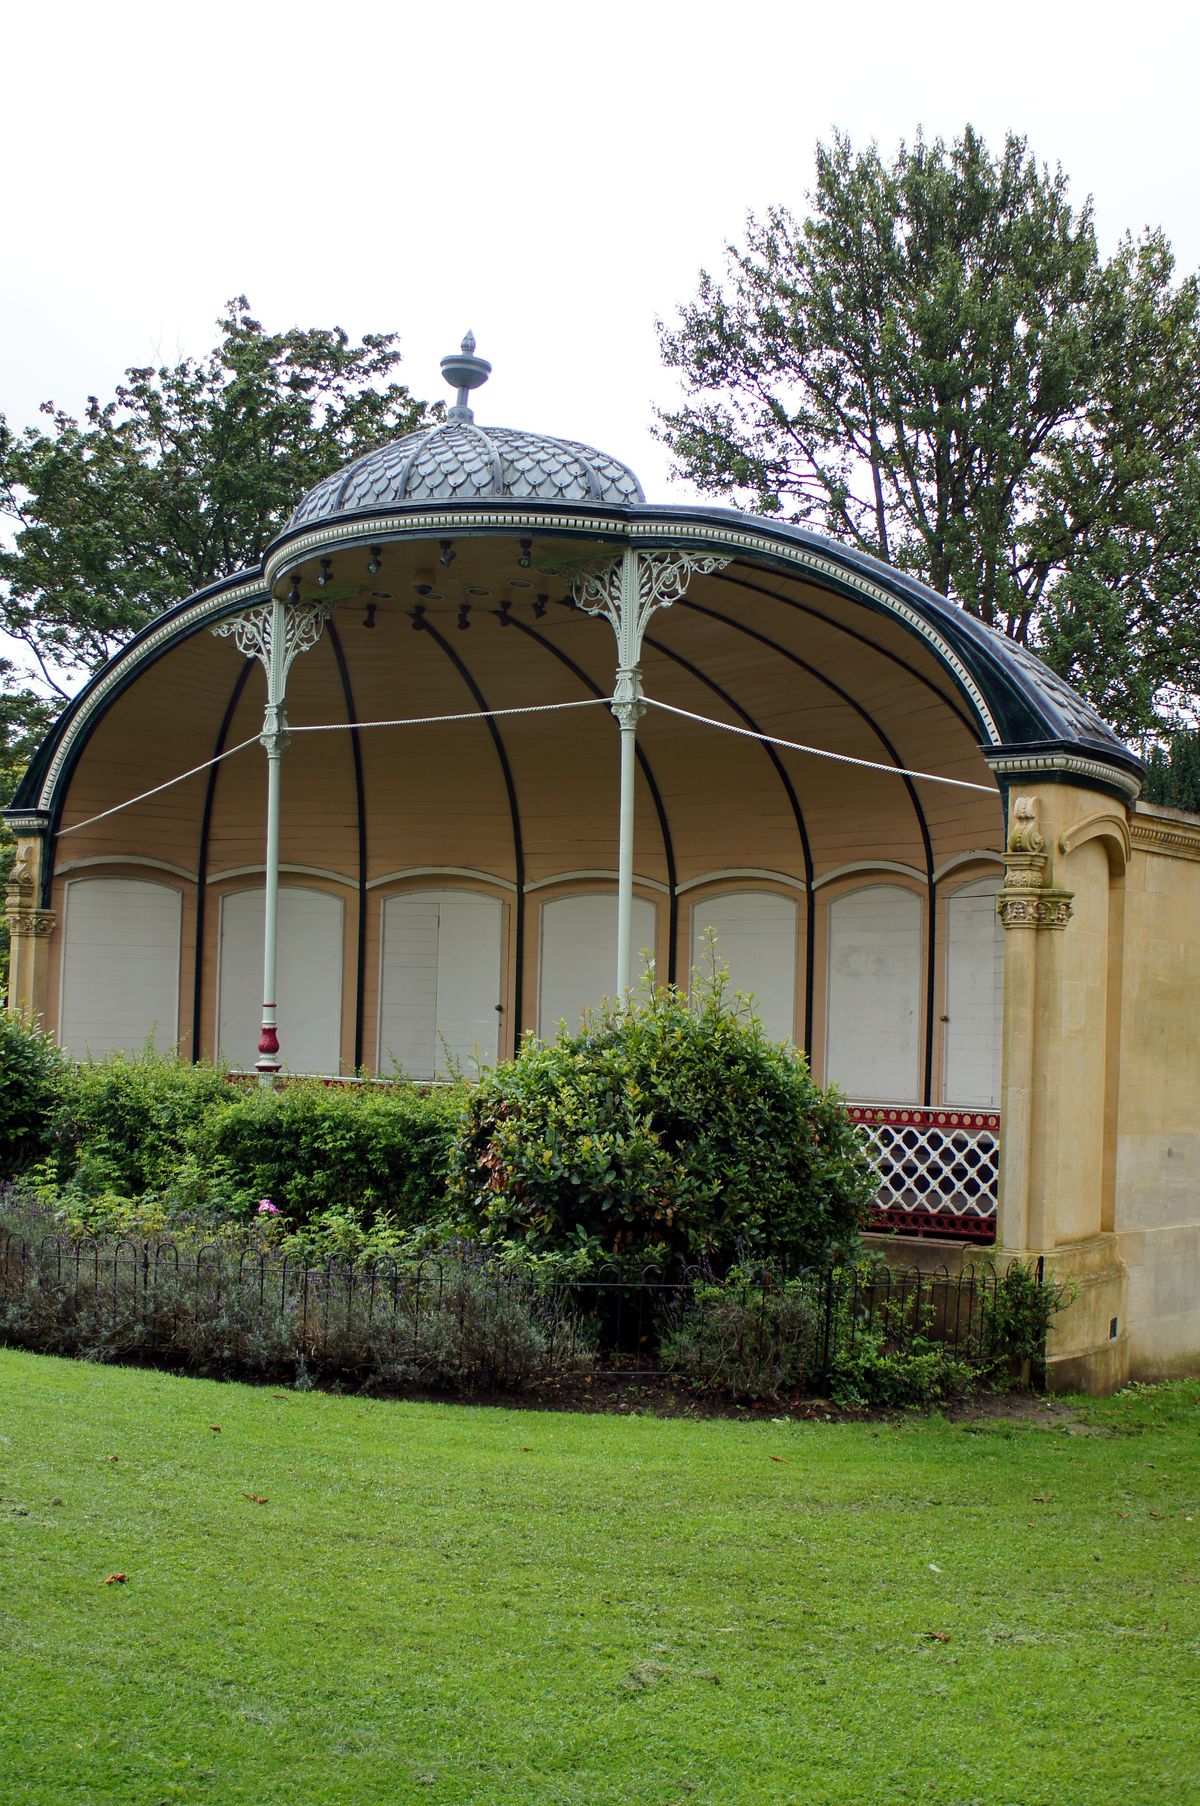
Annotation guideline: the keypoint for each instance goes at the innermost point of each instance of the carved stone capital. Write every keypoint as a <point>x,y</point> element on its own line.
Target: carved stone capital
<point>1054,908</point>
<point>1024,871</point>
<point>1028,900</point>
<point>1034,909</point>
<point>36,923</point>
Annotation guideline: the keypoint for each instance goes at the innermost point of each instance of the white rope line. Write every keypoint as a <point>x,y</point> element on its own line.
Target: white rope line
<point>533,708</point>
<point>182,778</point>
<point>326,727</point>
<point>538,708</point>
<point>819,752</point>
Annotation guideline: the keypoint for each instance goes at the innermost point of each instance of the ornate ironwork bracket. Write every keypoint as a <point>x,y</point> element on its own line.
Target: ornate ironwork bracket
<point>627,594</point>
<point>276,633</point>
<point>1027,900</point>
<point>253,632</point>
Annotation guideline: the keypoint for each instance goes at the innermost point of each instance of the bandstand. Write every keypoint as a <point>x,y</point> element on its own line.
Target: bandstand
<point>485,728</point>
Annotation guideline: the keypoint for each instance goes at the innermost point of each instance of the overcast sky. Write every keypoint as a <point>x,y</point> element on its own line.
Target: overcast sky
<point>553,176</point>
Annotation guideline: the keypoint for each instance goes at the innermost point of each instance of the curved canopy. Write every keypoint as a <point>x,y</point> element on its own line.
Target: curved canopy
<point>1016,710</point>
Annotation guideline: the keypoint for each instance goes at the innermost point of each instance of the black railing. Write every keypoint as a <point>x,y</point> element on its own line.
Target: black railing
<point>465,1319</point>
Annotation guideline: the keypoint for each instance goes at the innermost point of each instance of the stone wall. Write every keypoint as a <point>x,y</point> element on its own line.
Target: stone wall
<point>1156,1211</point>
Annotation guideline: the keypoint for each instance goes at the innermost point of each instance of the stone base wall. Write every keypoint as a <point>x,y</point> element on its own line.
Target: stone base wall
<point>1156,1206</point>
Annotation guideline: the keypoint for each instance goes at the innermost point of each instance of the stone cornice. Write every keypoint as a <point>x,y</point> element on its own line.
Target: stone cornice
<point>1173,839</point>
<point>1060,764</point>
<point>25,821</point>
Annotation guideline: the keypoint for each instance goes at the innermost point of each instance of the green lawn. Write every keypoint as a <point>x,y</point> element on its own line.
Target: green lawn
<point>439,1604</point>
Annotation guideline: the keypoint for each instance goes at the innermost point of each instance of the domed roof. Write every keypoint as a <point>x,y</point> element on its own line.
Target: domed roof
<point>458,461</point>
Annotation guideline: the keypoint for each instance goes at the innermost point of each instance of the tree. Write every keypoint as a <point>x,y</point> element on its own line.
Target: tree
<point>182,478</point>
<point>936,367</point>
<point>1173,771</point>
<point>24,718</point>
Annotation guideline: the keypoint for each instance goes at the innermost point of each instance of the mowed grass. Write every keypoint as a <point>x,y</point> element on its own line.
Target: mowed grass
<point>441,1604</point>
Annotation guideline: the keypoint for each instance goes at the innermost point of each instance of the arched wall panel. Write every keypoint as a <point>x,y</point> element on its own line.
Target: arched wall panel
<point>440,981</point>
<point>755,937</point>
<point>120,971</point>
<point>579,954</point>
<point>974,1003</point>
<point>309,973</point>
<point>875,993</point>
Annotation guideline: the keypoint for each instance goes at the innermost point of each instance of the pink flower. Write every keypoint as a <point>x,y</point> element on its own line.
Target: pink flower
<point>267,1209</point>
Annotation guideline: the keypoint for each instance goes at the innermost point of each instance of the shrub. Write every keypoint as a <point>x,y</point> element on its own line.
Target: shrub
<point>122,1124</point>
<point>460,1319</point>
<point>31,1074</point>
<point>750,1336</point>
<point>870,1337</point>
<point>879,1369</point>
<point>670,1127</point>
<point>136,1143</point>
<point>1025,1306</point>
<point>362,1153</point>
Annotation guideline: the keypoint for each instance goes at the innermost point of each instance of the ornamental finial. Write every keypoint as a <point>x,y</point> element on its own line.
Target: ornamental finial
<point>464,372</point>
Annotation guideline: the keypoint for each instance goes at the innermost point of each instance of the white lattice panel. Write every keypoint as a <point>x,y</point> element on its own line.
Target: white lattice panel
<point>938,1169</point>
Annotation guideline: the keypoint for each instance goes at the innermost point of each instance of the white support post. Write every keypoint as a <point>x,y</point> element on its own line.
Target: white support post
<point>627,595</point>
<point>628,707</point>
<point>274,738</point>
<point>274,632</point>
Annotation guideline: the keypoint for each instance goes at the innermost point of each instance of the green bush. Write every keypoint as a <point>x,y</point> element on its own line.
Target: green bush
<point>122,1124</point>
<point>870,1337</point>
<point>31,1074</point>
<point>749,1335</point>
<point>1025,1307</point>
<point>361,1152</point>
<point>668,1127</point>
<point>138,1143</point>
<point>880,1370</point>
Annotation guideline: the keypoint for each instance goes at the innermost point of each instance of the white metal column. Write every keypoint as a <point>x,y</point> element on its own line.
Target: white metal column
<point>627,594</point>
<point>274,632</point>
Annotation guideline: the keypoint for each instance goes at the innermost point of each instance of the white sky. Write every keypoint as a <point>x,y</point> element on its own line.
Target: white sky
<point>553,176</point>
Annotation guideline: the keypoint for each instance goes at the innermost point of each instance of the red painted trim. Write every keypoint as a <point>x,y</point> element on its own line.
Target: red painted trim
<point>947,1225</point>
<point>910,1116</point>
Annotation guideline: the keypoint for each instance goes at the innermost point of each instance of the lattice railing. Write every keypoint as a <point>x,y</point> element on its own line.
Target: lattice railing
<point>938,1168</point>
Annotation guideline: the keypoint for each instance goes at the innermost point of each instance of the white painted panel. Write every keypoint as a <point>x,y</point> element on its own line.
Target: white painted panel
<point>756,940</point>
<point>440,982</point>
<point>120,979</point>
<point>308,990</point>
<point>579,955</point>
<point>974,994</point>
<point>875,993</point>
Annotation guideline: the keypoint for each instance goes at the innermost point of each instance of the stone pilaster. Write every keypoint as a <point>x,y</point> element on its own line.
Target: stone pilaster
<point>1060,969</point>
<point>30,931</point>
